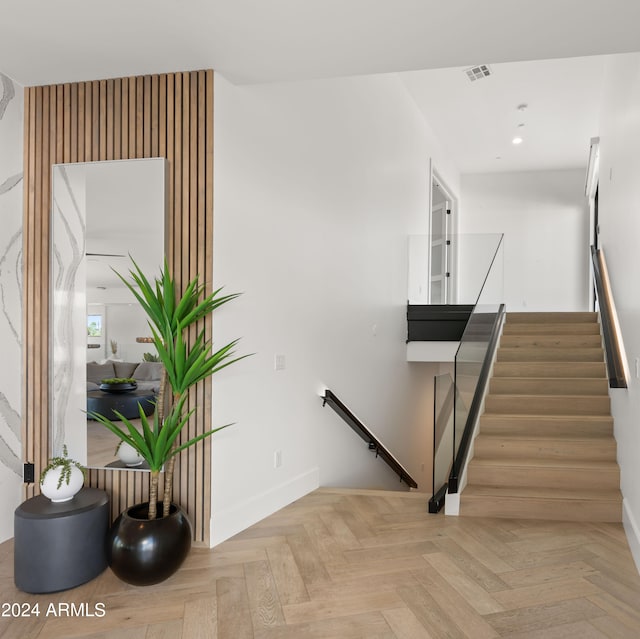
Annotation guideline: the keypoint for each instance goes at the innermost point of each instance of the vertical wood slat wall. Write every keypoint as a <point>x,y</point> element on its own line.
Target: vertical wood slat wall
<point>168,115</point>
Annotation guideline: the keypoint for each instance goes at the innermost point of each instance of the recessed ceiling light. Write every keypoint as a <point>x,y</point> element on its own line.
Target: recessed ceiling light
<point>517,140</point>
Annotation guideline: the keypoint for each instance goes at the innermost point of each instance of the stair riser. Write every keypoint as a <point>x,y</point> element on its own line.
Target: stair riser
<point>598,449</point>
<point>553,509</point>
<point>554,369</point>
<point>547,405</point>
<point>552,318</point>
<point>550,355</point>
<point>541,426</point>
<point>551,329</point>
<point>554,386</point>
<point>528,476</point>
<point>551,341</point>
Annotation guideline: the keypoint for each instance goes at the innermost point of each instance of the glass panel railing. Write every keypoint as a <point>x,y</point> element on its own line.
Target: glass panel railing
<point>443,391</point>
<point>471,357</point>
<point>449,269</point>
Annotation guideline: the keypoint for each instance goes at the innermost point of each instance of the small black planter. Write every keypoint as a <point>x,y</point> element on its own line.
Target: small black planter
<point>144,552</point>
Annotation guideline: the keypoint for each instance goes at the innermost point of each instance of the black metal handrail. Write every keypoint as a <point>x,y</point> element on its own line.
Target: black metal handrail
<point>610,333</point>
<point>476,403</point>
<point>373,442</point>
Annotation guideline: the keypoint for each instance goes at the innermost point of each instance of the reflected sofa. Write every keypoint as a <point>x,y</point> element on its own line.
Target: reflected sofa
<point>146,374</point>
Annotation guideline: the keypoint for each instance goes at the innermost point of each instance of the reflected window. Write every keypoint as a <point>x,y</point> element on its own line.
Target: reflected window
<point>94,325</point>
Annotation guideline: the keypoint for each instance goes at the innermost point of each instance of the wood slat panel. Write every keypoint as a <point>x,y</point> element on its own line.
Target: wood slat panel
<point>39,340</point>
<point>132,118</point>
<point>110,131</point>
<point>88,121</point>
<point>124,118</point>
<point>73,114</point>
<point>28,412</point>
<point>208,268</point>
<point>168,115</point>
<point>154,123</point>
<point>81,120</point>
<point>146,120</point>
<point>103,112</point>
<point>139,123</point>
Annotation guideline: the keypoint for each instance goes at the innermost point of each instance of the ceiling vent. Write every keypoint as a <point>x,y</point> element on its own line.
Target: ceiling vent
<point>478,73</point>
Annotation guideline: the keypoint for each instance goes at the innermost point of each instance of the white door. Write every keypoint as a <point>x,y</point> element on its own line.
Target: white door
<point>440,250</point>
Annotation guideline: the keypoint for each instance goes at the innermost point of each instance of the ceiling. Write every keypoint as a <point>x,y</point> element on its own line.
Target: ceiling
<point>259,41</point>
<point>477,121</point>
<point>250,41</point>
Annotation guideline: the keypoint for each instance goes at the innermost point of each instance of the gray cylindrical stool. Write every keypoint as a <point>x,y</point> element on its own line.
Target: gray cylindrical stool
<point>60,546</point>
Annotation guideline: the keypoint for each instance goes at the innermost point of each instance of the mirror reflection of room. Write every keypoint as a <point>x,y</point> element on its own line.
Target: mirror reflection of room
<point>122,206</point>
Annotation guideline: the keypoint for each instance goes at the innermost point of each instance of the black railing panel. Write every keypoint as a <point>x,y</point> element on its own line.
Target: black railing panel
<point>437,322</point>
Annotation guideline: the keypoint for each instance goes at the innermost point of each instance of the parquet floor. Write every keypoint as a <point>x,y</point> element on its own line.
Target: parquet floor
<point>344,564</point>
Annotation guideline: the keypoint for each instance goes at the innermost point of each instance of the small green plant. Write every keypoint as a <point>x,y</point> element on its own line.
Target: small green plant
<point>150,357</point>
<point>118,380</point>
<point>64,463</point>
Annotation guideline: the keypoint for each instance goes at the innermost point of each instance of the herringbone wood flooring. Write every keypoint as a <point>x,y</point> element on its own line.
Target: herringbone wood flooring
<point>343,564</point>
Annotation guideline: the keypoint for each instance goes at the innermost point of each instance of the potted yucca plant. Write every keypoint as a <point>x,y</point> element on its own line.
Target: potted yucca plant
<point>185,362</point>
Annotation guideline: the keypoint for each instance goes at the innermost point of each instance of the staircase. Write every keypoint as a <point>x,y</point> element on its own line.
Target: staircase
<point>545,449</point>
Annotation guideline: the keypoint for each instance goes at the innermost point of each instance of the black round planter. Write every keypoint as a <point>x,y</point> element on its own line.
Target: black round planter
<point>144,552</point>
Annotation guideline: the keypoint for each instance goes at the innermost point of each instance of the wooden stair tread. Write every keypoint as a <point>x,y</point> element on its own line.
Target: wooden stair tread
<point>509,385</point>
<point>548,404</point>
<point>552,316</point>
<point>540,396</point>
<point>566,328</point>
<point>525,437</point>
<point>548,418</point>
<point>542,493</point>
<point>594,370</point>
<point>566,340</point>
<point>597,465</point>
<point>535,354</point>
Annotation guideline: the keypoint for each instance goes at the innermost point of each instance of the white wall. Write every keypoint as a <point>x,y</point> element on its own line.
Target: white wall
<point>11,117</point>
<point>545,220</point>
<point>619,218</point>
<point>317,185</point>
<point>124,323</point>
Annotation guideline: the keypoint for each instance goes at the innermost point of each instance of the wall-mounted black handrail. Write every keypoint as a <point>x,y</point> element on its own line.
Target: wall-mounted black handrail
<point>610,333</point>
<point>372,441</point>
<point>476,403</point>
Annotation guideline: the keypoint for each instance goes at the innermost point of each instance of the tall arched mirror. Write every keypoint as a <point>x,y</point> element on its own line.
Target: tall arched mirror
<point>102,213</point>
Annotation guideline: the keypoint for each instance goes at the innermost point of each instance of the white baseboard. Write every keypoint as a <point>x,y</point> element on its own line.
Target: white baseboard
<point>452,504</point>
<point>231,521</point>
<point>632,530</point>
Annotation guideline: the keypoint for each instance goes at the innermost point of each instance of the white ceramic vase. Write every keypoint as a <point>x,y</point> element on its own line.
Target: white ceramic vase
<point>128,455</point>
<point>67,491</point>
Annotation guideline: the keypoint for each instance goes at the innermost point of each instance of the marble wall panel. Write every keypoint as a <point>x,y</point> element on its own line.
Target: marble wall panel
<point>11,141</point>
<point>68,318</point>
